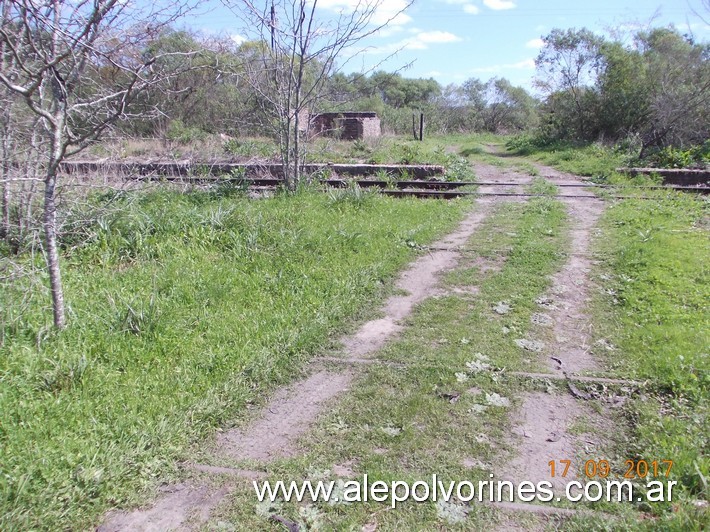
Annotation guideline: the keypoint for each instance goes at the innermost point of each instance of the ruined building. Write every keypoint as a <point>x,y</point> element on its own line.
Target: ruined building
<point>346,126</point>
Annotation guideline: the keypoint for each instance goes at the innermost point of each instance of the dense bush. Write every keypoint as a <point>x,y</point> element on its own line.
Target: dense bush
<point>179,132</point>
<point>694,157</point>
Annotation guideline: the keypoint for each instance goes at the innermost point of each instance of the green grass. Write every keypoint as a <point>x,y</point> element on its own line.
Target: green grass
<point>398,422</point>
<point>182,310</point>
<point>655,311</point>
<point>589,160</point>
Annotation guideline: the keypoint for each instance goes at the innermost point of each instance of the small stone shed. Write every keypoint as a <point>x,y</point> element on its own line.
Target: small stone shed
<point>347,126</point>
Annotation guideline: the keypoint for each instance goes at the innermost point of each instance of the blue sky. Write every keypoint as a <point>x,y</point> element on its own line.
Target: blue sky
<point>454,40</point>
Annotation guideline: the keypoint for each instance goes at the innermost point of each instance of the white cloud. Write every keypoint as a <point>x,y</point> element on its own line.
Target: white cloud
<point>431,37</point>
<point>237,39</point>
<point>527,64</point>
<point>535,43</point>
<point>471,9</point>
<point>420,41</point>
<point>388,31</point>
<point>499,4</point>
<point>389,12</point>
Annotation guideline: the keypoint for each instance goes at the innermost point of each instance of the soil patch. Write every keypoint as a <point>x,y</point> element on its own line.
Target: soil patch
<point>419,281</point>
<point>570,292</point>
<point>546,418</point>
<point>543,435</point>
<point>288,415</point>
<point>179,505</point>
<point>292,411</point>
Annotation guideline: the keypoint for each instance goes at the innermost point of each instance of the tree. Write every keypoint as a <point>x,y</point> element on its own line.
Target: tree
<point>623,91</point>
<point>508,108</point>
<point>568,64</point>
<point>679,89</point>
<point>500,106</point>
<point>76,66</point>
<point>204,91</point>
<point>295,48</point>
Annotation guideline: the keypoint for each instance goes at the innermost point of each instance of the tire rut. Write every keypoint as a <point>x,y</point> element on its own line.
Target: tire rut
<point>293,409</point>
<point>544,432</point>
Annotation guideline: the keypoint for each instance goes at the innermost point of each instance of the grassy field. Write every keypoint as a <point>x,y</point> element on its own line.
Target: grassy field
<point>428,409</point>
<point>382,150</point>
<point>590,160</point>
<point>183,309</point>
<point>187,308</point>
<point>655,312</point>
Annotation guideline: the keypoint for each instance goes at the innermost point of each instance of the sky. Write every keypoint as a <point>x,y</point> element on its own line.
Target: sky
<point>454,40</point>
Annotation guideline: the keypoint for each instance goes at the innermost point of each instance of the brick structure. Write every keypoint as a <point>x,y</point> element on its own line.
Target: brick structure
<point>346,126</point>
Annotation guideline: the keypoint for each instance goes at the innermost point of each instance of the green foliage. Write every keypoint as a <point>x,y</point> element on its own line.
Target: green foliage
<point>499,105</point>
<point>179,132</point>
<point>543,187</point>
<point>360,149</point>
<point>528,144</point>
<point>185,308</point>
<point>694,157</point>
<point>409,153</point>
<point>654,88</point>
<point>590,159</point>
<point>400,92</point>
<point>351,196</point>
<point>459,169</point>
<point>657,295</point>
<point>249,147</point>
<point>567,66</point>
<point>205,88</point>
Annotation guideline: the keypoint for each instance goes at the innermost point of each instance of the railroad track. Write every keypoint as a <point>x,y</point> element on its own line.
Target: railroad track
<point>425,188</point>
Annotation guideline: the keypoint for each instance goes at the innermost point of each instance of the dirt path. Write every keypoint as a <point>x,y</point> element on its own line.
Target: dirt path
<point>292,411</point>
<point>545,419</point>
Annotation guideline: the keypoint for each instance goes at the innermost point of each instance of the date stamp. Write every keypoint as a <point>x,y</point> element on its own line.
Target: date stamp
<point>632,469</point>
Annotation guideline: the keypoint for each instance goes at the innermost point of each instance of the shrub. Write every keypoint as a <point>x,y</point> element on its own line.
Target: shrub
<point>459,169</point>
<point>179,132</point>
<point>693,157</point>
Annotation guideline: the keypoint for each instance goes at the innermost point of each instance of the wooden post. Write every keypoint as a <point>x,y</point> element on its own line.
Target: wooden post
<point>421,126</point>
<point>414,126</point>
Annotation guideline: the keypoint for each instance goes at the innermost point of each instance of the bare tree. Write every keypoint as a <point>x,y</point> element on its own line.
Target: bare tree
<point>76,66</point>
<point>6,101</point>
<point>294,54</point>
<point>705,16</point>
<point>678,77</point>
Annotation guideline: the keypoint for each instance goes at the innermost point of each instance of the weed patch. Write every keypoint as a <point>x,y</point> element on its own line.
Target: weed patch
<point>654,311</point>
<point>184,309</point>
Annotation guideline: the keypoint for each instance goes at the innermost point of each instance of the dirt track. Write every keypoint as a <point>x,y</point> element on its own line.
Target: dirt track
<point>545,419</point>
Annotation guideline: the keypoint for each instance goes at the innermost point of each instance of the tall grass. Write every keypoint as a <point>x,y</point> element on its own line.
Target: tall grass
<point>655,310</point>
<point>183,308</point>
<point>591,160</point>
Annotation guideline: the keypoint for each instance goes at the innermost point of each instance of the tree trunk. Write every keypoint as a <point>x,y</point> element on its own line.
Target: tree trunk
<point>52,249</point>
<point>296,151</point>
<point>5,176</point>
<point>5,224</point>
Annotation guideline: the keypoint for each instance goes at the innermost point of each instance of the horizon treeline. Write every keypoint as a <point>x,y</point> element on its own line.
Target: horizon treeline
<point>652,90</point>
